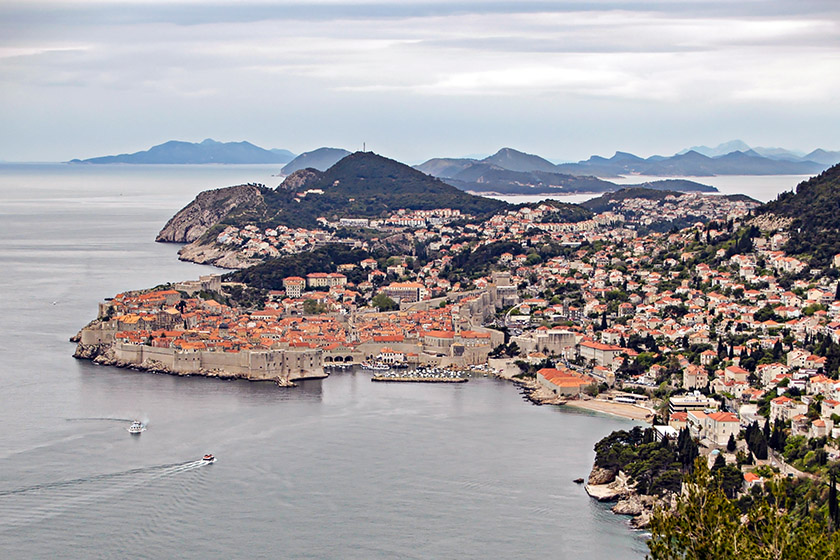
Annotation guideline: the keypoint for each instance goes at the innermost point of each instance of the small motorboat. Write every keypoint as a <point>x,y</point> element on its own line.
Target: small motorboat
<point>136,428</point>
<point>208,458</point>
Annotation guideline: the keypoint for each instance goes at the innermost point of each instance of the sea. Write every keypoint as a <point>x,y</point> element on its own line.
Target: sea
<point>333,468</point>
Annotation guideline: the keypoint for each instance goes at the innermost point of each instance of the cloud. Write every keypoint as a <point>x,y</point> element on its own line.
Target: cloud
<point>527,58</point>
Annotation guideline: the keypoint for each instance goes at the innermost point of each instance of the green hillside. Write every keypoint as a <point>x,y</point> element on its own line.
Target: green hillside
<point>815,211</point>
<point>360,185</point>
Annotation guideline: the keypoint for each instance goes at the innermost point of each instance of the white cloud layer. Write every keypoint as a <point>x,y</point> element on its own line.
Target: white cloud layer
<point>419,78</point>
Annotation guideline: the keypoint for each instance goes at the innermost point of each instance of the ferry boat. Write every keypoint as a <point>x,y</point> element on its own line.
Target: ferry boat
<point>208,458</point>
<point>136,428</point>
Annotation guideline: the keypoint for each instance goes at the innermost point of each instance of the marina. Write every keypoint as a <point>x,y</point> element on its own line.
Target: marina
<point>422,375</point>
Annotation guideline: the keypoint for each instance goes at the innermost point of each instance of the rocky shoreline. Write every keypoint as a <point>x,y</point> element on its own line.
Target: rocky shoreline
<point>606,485</point>
<point>534,392</point>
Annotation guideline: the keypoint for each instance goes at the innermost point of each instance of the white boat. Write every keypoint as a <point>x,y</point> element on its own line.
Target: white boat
<point>136,427</point>
<point>209,458</point>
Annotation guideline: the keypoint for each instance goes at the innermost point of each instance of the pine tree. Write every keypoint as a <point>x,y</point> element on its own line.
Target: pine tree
<point>706,525</point>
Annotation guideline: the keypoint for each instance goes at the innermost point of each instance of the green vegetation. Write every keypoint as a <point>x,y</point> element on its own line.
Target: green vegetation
<point>384,303</point>
<point>815,211</point>
<point>562,212</point>
<point>360,185</point>
<point>269,275</point>
<point>783,522</point>
<point>313,307</point>
<point>656,466</point>
<point>605,202</point>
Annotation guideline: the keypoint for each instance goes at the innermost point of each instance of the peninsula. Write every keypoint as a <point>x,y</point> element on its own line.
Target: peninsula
<point>716,319</point>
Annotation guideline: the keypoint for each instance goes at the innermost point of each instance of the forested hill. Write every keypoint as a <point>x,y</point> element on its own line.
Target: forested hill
<point>362,185</point>
<point>815,213</point>
<point>365,184</point>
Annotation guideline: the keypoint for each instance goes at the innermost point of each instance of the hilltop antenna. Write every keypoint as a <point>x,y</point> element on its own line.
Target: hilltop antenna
<point>364,147</point>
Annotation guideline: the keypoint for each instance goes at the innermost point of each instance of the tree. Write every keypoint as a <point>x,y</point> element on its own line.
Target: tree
<point>384,303</point>
<point>706,525</point>
<point>312,307</point>
<point>730,445</point>
<point>833,508</point>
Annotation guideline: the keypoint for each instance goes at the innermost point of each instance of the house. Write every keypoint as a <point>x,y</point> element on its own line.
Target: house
<point>829,407</point>
<point>785,408</point>
<point>752,479</point>
<point>294,286</point>
<point>406,292</point>
<point>563,381</point>
<point>820,427</point>
<point>678,420</point>
<point>736,373</point>
<point>602,354</point>
<point>722,425</point>
<point>695,377</point>
<point>797,357</point>
<point>707,357</point>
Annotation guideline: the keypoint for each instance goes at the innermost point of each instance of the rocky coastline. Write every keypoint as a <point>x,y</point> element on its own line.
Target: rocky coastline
<point>534,392</point>
<point>606,485</point>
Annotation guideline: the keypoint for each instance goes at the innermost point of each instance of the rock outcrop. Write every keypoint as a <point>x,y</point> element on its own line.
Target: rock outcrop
<point>606,485</point>
<point>208,208</point>
<point>211,253</point>
<point>771,222</point>
<point>600,476</point>
<point>300,179</point>
<point>613,485</point>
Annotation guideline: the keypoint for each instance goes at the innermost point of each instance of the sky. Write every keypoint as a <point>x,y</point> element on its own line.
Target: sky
<point>415,80</point>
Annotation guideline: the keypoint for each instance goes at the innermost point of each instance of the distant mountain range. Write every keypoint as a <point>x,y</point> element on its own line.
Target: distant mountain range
<point>781,154</point>
<point>731,158</point>
<point>511,171</point>
<point>208,151</point>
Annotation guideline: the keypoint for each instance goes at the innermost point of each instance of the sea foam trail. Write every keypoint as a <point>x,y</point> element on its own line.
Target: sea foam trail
<point>22,506</point>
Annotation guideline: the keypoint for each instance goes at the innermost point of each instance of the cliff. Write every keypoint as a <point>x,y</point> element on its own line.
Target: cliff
<point>208,208</point>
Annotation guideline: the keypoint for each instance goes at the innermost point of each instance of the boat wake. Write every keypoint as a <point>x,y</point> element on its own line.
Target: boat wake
<point>100,419</point>
<point>23,506</point>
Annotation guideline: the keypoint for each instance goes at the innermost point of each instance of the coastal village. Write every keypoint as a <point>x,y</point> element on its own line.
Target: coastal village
<point>711,330</point>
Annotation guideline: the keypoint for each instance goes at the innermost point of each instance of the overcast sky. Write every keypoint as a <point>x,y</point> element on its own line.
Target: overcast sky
<point>418,79</point>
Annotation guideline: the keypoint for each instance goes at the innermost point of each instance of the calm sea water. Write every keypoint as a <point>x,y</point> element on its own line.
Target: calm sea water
<point>340,468</point>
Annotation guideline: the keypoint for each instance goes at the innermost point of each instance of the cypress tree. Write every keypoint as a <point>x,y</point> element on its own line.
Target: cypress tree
<point>833,509</point>
<point>730,445</point>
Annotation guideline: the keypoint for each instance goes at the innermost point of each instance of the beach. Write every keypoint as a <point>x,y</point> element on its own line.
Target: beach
<point>630,411</point>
